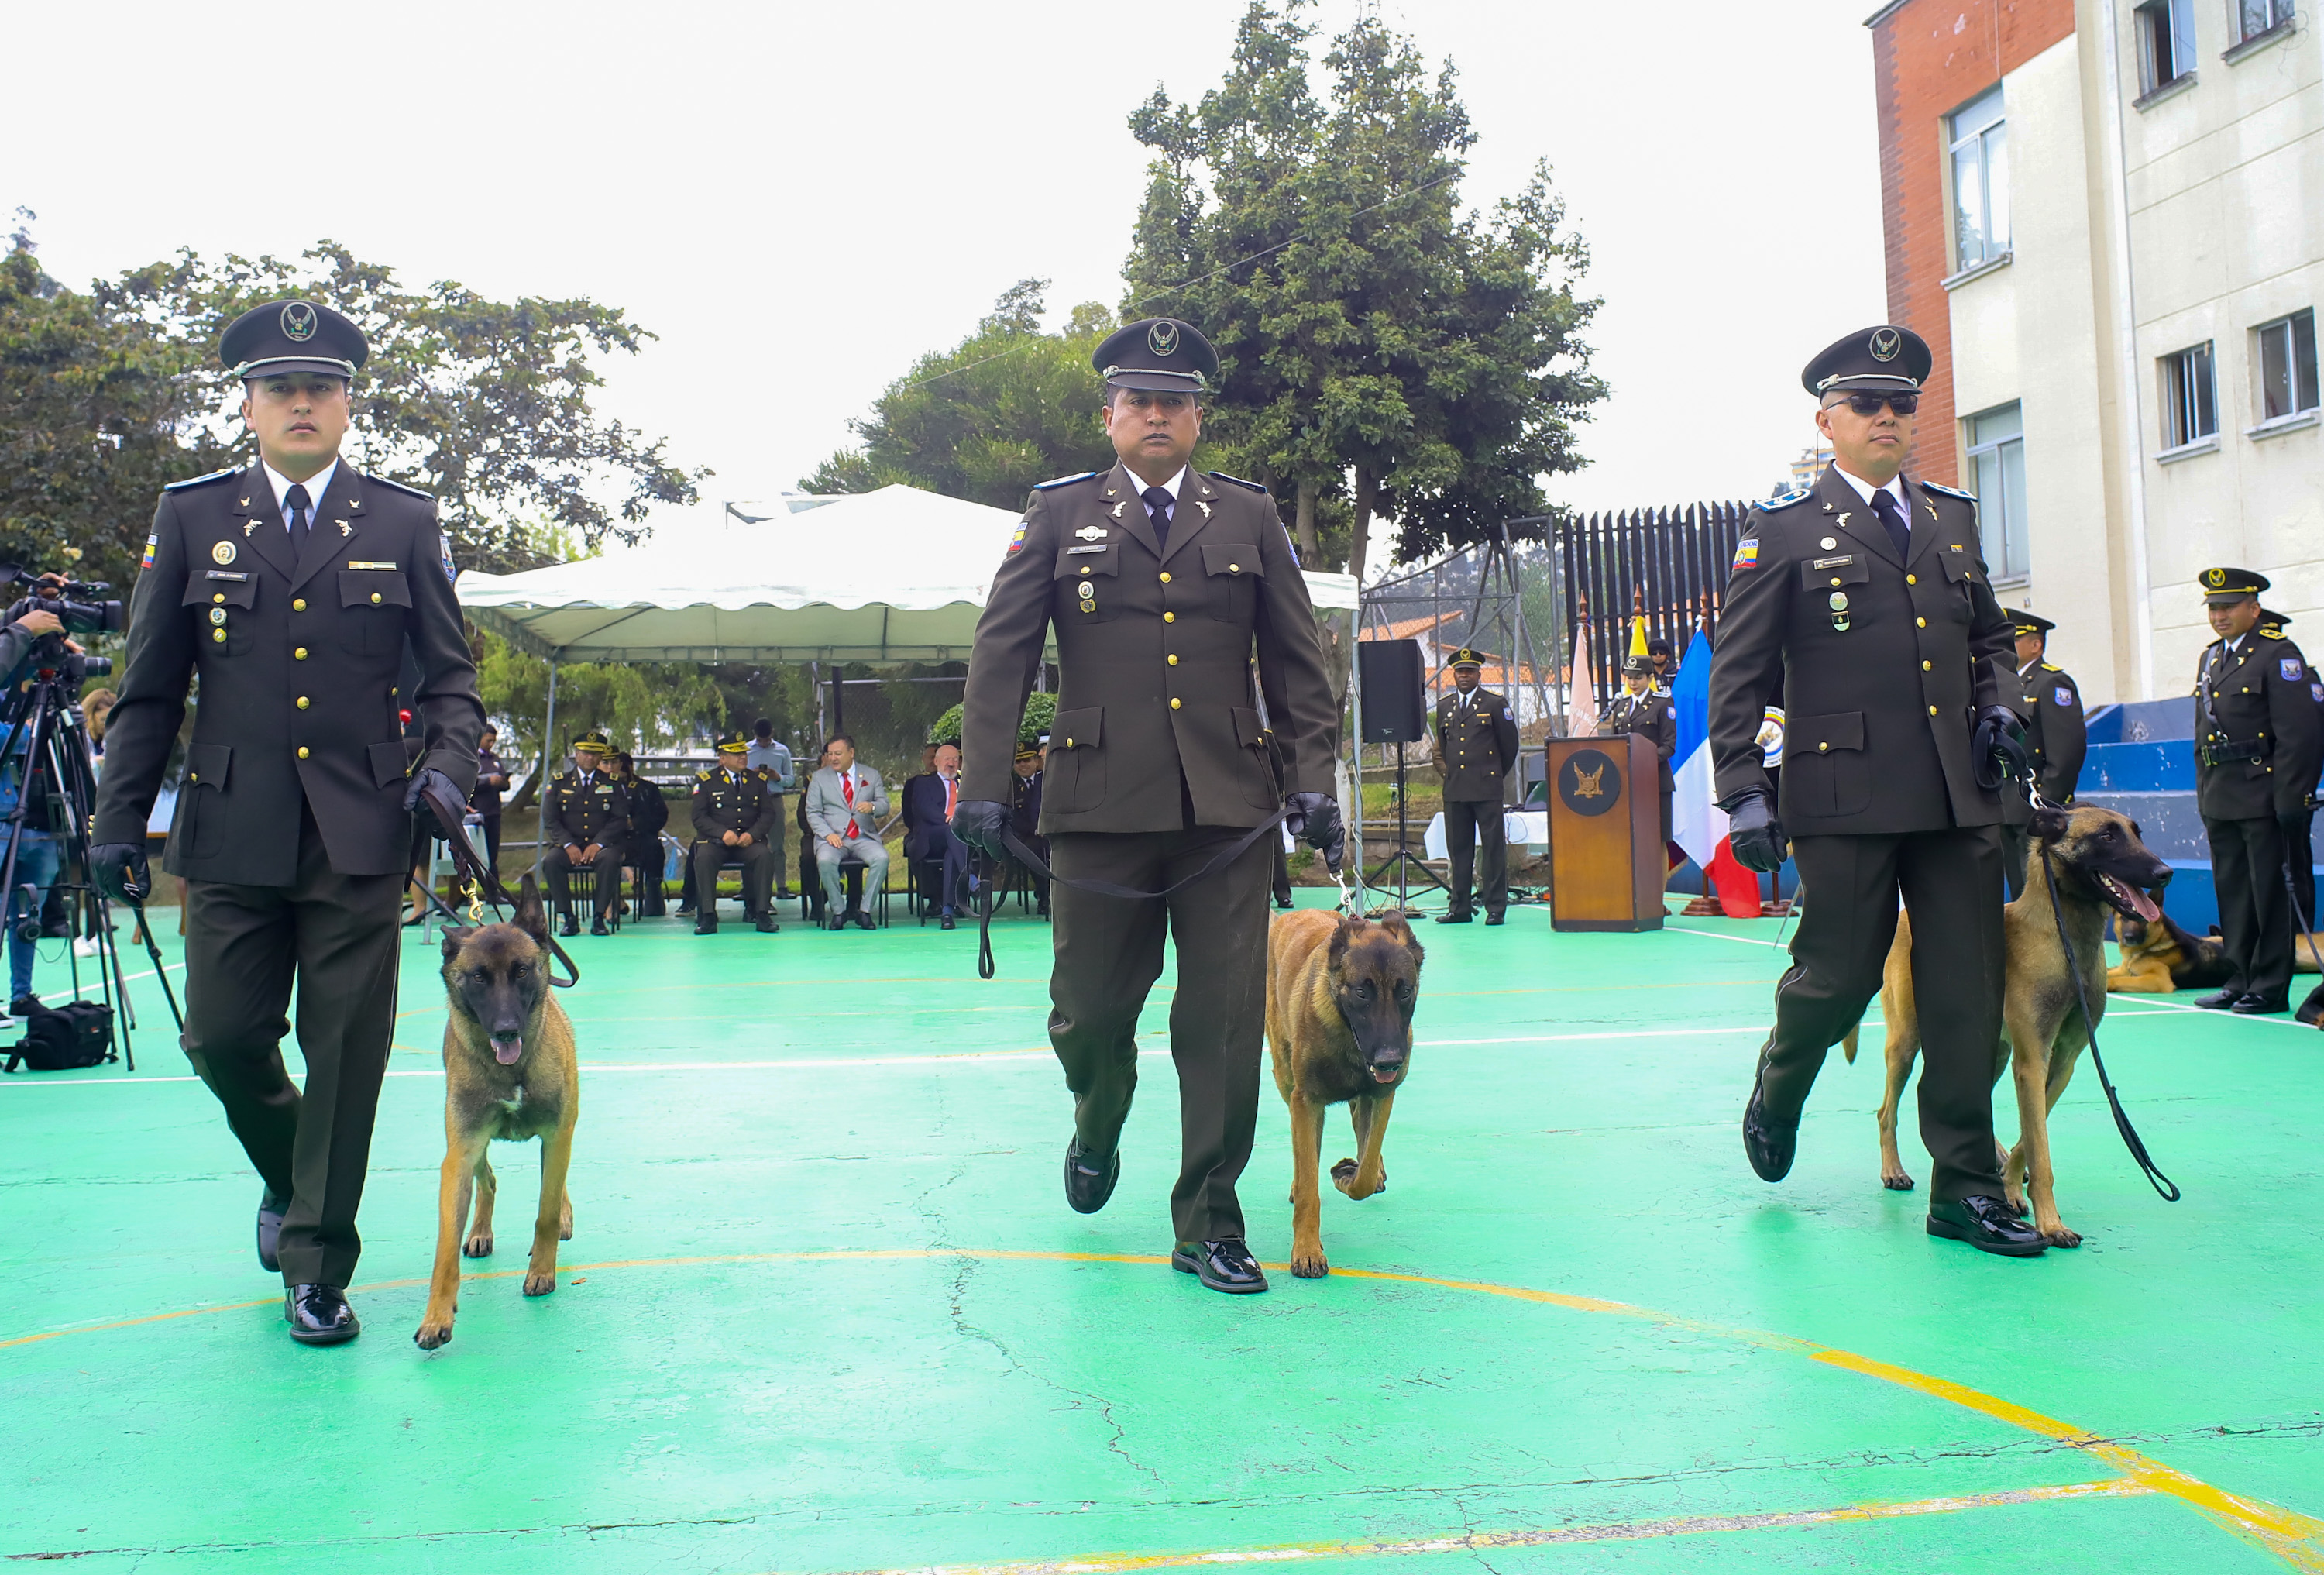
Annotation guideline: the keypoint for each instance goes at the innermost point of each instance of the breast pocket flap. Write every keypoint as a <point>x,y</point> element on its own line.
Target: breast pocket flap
<point>373,588</point>
<point>209,765</point>
<point>387,763</point>
<point>238,592</point>
<point>1231,557</point>
<point>1820,736</point>
<point>1101,558</point>
<point>1834,569</point>
<point>1078,730</point>
<point>1960,567</point>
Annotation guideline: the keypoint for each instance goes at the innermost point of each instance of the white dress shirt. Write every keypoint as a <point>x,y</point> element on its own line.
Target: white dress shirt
<point>1894,488</point>
<point>316,485</point>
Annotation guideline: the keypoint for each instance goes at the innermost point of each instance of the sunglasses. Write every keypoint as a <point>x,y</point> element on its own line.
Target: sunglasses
<point>1869,404</point>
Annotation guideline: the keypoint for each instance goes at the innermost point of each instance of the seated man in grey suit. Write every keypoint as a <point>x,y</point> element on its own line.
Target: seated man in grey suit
<point>845,803</point>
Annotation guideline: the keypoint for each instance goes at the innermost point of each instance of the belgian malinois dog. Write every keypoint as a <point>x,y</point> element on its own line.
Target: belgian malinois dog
<point>2160,957</point>
<point>2100,864</point>
<point>1340,996</point>
<point>509,1073</point>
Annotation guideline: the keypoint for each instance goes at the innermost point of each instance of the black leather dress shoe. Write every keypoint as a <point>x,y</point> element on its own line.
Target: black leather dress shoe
<point>566,926</point>
<point>1224,1265</point>
<point>767,925</point>
<point>270,1230</point>
<point>1459,916</point>
<point>2253,1006</point>
<point>945,922</point>
<point>2223,1001</point>
<point>1767,1143</point>
<point>1089,1180</point>
<point>705,926</point>
<point>1491,920</point>
<point>320,1315</point>
<point>837,923</point>
<point>1987,1224</point>
<point>598,927</point>
<point>863,922</point>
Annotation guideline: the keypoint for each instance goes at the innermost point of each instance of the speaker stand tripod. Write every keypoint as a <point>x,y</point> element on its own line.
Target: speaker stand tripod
<point>1401,860</point>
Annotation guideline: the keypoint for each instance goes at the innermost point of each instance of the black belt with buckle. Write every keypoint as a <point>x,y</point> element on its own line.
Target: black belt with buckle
<point>2220,754</point>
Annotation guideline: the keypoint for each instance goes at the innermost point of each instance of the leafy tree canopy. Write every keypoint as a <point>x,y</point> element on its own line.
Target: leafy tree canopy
<point>1006,409</point>
<point>1380,349</point>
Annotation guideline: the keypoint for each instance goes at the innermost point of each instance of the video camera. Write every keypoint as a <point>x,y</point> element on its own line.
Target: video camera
<point>72,603</point>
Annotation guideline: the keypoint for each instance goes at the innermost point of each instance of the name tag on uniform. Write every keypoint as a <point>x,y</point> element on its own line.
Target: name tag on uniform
<point>1106,548</point>
<point>224,575</point>
<point>606,789</point>
<point>357,563</point>
<point>1842,561</point>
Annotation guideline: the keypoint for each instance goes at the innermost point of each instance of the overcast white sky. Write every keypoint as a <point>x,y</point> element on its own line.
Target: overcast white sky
<point>800,200</point>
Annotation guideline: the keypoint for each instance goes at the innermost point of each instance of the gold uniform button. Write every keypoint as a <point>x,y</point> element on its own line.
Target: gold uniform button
<point>1835,579</point>
<point>300,654</point>
<point>1174,703</point>
<point>1234,568</point>
<point>193,777</point>
<point>303,702</point>
<point>1925,667</point>
<point>219,596</point>
<point>298,605</point>
<point>1169,618</point>
<point>1173,661</point>
<point>1932,710</point>
<point>1920,624</point>
<point>1911,579</point>
<point>302,751</point>
<point>1165,576</point>
<point>219,635</point>
<point>1821,747</point>
<point>1069,743</point>
<point>374,598</point>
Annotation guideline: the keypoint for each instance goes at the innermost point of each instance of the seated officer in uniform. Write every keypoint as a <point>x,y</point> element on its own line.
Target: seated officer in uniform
<point>737,815</point>
<point>585,819</point>
<point>2055,741</point>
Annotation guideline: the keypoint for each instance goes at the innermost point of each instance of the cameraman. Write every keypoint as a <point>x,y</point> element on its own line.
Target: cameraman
<point>24,781</point>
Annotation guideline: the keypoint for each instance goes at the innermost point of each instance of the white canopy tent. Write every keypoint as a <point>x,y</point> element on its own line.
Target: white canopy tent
<point>899,574</point>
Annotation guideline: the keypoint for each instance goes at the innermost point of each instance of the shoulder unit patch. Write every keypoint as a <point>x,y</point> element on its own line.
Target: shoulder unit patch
<point>200,481</point>
<point>1784,501</point>
<point>2291,670</point>
<point>1949,491</point>
<point>2061,695</point>
<point>1747,554</point>
<point>1063,481</point>
<point>1238,481</point>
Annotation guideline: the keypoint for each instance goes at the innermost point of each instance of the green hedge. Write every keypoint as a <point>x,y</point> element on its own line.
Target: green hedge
<point>1040,710</point>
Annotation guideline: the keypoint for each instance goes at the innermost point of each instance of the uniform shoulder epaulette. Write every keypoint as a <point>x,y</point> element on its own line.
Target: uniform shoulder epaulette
<point>1949,491</point>
<point>1783,502</point>
<point>201,481</point>
<point>2051,667</point>
<point>703,775</point>
<point>2270,632</point>
<point>381,480</point>
<point>1064,480</point>
<point>1238,481</point>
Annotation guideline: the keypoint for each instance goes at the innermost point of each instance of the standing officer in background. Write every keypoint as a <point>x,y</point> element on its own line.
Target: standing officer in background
<point>585,819</point>
<point>737,814</point>
<point>1642,708</point>
<point>290,590</point>
<point>1159,579</point>
<point>2257,744</point>
<point>1862,605</point>
<point>1476,744</point>
<point>2055,742</point>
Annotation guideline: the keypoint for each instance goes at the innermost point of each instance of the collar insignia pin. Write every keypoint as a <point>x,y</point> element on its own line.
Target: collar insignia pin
<point>1843,522</point>
<point>1204,507</point>
<point>1117,508</point>
<point>244,504</point>
<point>248,529</point>
<point>344,529</point>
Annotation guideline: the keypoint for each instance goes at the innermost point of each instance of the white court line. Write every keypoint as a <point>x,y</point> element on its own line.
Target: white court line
<point>1715,935</point>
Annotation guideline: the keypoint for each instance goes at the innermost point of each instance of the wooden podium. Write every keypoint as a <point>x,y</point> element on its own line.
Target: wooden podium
<point>1606,860</point>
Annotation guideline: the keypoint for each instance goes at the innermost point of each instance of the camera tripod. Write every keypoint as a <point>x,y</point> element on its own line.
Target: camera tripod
<point>1402,859</point>
<point>42,733</point>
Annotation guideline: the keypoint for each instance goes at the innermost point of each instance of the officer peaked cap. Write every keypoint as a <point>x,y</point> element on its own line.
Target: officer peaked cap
<point>2030,624</point>
<point>594,741</point>
<point>734,743</point>
<point>1466,658</point>
<point>292,335</point>
<point>1883,359</point>
<point>2222,586</point>
<point>1160,354</point>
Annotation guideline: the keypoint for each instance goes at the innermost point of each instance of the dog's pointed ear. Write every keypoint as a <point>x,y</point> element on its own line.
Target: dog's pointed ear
<point>531,916</point>
<point>1401,933</point>
<point>2050,825</point>
<point>455,937</point>
<point>1344,930</point>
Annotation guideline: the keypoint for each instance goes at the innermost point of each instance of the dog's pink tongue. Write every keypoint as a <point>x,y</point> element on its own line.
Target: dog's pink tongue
<point>2143,906</point>
<point>506,1051</point>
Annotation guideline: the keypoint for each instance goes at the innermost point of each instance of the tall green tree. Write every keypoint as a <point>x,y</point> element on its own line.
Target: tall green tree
<point>1381,347</point>
<point>1006,409</point>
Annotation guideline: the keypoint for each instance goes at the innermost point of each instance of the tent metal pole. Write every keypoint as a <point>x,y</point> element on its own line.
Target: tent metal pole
<point>548,755</point>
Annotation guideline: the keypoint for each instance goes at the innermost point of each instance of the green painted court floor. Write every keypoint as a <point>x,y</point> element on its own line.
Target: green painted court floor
<point>825,1308</point>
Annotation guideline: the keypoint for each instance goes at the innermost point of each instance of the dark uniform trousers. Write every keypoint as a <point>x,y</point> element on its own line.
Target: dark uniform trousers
<point>2247,863</point>
<point>1108,954</point>
<point>1466,820</point>
<point>1950,881</point>
<point>603,878</point>
<point>337,932</point>
<point>759,862</point>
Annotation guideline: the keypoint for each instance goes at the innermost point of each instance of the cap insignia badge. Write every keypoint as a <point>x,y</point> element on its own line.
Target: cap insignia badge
<point>221,553</point>
<point>1162,338</point>
<point>1092,533</point>
<point>298,322</point>
<point>1886,343</point>
<point>2214,576</point>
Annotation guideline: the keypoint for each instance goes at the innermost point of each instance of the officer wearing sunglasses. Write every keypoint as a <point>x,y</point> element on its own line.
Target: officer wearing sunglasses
<point>1861,605</point>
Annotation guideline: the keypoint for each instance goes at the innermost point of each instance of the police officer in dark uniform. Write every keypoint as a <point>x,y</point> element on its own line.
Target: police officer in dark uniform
<point>291,591</point>
<point>737,814</point>
<point>1642,708</point>
<point>648,812</point>
<point>1159,579</point>
<point>1025,816</point>
<point>1862,605</point>
<point>585,819</point>
<point>1476,743</point>
<point>2258,745</point>
<point>2055,739</point>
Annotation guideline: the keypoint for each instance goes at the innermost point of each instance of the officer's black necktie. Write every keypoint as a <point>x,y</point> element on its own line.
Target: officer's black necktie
<point>1158,509</point>
<point>1884,503</point>
<point>300,506</point>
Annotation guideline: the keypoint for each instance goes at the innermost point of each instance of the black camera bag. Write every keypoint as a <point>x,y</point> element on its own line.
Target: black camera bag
<point>74,1035</point>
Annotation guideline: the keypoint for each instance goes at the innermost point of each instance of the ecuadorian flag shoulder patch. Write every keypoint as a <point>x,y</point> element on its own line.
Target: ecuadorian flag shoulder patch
<point>1746,554</point>
<point>153,543</point>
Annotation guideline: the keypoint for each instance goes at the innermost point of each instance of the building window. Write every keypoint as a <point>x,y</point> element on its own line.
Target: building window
<point>1996,456</point>
<point>2286,362</point>
<point>2166,42</point>
<point>2255,17</point>
<point>2191,406</point>
<point>1980,150</point>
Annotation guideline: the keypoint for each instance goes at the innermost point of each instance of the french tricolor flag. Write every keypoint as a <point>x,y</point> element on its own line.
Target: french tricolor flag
<point>1697,822</point>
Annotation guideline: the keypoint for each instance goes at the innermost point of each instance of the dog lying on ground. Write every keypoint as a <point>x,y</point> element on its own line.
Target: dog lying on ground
<point>509,1074</point>
<point>1339,997</point>
<point>2100,865</point>
<point>2160,957</point>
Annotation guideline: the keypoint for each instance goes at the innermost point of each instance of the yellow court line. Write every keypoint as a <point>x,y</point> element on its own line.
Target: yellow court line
<point>2295,1538</point>
<point>1487,1542</point>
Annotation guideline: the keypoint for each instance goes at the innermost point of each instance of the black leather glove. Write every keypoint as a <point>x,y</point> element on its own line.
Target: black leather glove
<point>119,870</point>
<point>1754,831</point>
<point>2293,820</point>
<point>979,823</point>
<point>423,781</point>
<point>1315,819</point>
<point>1997,751</point>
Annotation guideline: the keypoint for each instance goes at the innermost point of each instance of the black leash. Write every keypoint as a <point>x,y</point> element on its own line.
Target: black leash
<point>1033,862</point>
<point>451,818</point>
<point>2162,1183</point>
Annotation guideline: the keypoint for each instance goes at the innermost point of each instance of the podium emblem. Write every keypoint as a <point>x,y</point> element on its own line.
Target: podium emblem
<point>1590,782</point>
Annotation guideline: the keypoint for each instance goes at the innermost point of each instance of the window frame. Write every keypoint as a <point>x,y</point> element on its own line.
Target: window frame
<point>2177,19</point>
<point>2305,396</point>
<point>2280,14</point>
<point>2183,404</point>
<point>1986,135</point>
<point>1997,513</point>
